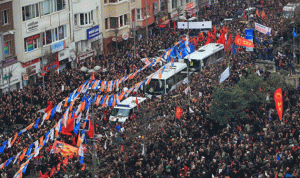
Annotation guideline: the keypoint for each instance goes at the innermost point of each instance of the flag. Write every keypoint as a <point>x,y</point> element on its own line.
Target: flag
<point>190,110</point>
<point>52,171</point>
<point>90,132</point>
<point>161,72</point>
<point>257,13</point>
<point>81,160</point>
<point>243,42</point>
<point>23,154</point>
<point>12,142</point>
<point>278,102</point>
<point>175,25</point>
<point>49,107</point>
<point>244,15</point>
<point>66,161</point>
<point>3,147</point>
<point>294,33</point>
<point>83,167</point>
<point>16,158</point>
<point>29,150</point>
<point>76,128</point>
<point>224,75</point>
<point>9,161</point>
<point>178,112</point>
<point>263,14</point>
<point>37,123</point>
<point>137,103</point>
<point>149,79</point>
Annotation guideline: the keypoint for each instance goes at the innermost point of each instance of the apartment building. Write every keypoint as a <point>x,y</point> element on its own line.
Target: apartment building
<point>9,63</point>
<point>177,8</point>
<point>86,31</point>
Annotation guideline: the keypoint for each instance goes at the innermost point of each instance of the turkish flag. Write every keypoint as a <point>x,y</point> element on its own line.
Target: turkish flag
<point>90,132</point>
<point>243,42</point>
<point>228,45</point>
<point>66,161</point>
<point>178,112</point>
<point>49,106</point>
<point>278,102</point>
<point>137,103</point>
<point>58,166</point>
<point>52,172</point>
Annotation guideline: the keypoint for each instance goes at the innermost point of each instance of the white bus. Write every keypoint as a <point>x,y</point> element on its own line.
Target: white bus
<point>205,55</point>
<point>169,80</point>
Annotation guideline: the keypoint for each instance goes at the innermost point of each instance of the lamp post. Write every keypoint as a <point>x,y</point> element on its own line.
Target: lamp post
<point>92,93</point>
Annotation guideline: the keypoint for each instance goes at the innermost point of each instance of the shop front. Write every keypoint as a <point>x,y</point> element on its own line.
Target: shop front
<point>85,56</point>
<point>32,68</point>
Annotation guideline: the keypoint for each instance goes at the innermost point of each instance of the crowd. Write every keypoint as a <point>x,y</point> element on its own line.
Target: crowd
<point>155,143</point>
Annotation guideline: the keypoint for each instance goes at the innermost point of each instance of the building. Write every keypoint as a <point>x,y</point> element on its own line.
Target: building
<point>9,78</point>
<point>116,23</point>
<point>177,8</point>
<point>86,31</point>
<point>42,35</point>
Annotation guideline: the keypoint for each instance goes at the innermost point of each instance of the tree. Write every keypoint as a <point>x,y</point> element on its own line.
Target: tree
<point>247,95</point>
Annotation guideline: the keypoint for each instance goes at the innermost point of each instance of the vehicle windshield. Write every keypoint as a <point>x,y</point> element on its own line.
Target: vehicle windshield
<point>155,87</point>
<point>287,14</point>
<point>120,112</point>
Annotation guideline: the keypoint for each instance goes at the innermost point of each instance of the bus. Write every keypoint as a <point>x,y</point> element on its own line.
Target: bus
<point>290,10</point>
<point>169,80</point>
<point>205,55</point>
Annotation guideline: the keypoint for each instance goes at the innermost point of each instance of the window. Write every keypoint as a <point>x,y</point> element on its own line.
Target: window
<point>31,43</point>
<point>188,1</point>
<point>174,4</point>
<point>125,19</point>
<point>155,8</point>
<point>54,35</point>
<point>84,18</point>
<point>30,11</point>
<point>50,6</point>
<point>113,22</point>
<point>163,6</point>
<point>121,21</point>
<point>4,15</point>
<point>139,14</point>
<point>7,48</point>
<point>113,1</point>
<point>105,1</point>
<point>106,23</point>
<point>146,12</point>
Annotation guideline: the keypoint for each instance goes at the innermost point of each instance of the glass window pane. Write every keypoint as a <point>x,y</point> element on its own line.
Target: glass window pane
<point>61,32</point>
<point>81,19</point>
<point>86,18</point>
<point>37,10</point>
<point>46,7</point>
<point>48,37</point>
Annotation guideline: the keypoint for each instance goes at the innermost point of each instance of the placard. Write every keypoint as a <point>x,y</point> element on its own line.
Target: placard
<point>195,25</point>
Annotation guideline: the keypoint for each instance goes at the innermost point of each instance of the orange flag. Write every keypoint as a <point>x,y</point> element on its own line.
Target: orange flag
<point>103,104</point>
<point>66,102</point>
<point>30,126</point>
<point>243,42</point>
<point>83,167</point>
<point>257,13</point>
<point>263,15</point>
<point>178,112</point>
<point>12,142</point>
<point>114,101</point>
<point>107,86</point>
<point>278,102</point>
<point>23,154</point>
<point>98,100</point>
<point>41,140</point>
<point>79,140</point>
<point>48,116</point>
<point>3,165</point>
<point>93,76</point>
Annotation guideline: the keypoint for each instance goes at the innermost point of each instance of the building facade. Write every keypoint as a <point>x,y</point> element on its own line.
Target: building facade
<point>86,31</point>
<point>9,63</point>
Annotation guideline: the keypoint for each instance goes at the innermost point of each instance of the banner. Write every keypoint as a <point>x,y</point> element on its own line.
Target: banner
<point>249,36</point>
<point>243,42</point>
<point>278,102</point>
<point>64,149</point>
<point>262,29</point>
<point>195,25</point>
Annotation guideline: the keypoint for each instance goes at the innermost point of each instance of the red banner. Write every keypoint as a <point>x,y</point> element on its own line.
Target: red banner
<point>64,149</point>
<point>243,42</point>
<point>278,102</point>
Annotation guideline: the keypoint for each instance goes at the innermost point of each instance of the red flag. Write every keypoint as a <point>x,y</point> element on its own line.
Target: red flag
<point>257,13</point>
<point>222,39</point>
<point>244,16</point>
<point>58,166</point>
<point>178,112</point>
<point>228,45</point>
<point>263,15</point>
<point>214,30</point>
<point>66,161</point>
<point>93,76</point>
<point>243,42</point>
<point>137,103</point>
<point>49,107</point>
<point>90,132</point>
<point>175,25</point>
<point>122,148</point>
<point>52,172</point>
<point>278,102</point>
<point>200,37</point>
<point>83,167</point>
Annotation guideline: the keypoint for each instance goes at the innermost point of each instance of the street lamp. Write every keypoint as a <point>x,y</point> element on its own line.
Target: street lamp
<point>92,93</point>
<point>187,38</point>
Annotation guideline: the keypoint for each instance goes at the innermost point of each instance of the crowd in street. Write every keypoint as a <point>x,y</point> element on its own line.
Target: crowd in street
<point>155,143</point>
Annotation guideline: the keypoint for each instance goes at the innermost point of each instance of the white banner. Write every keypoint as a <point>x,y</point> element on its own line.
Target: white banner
<point>194,25</point>
<point>262,29</point>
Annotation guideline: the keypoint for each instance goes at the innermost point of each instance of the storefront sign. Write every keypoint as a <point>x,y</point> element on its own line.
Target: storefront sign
<point>92,32</point>
<point>52,66</point>
<point>58,46</point>
<point>262,29</point>
<point>30,62</point>
<point>32,26</point>
<point>189,5</point>
<point>125,36</point>
<point>10,61</point>
<point>86,56</point>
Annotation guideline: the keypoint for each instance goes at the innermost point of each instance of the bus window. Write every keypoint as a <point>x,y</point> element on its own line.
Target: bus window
<point>155,87</point>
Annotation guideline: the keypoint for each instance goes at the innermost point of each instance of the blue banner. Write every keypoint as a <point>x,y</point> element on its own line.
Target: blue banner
<point>249,36</point>
<point>92,32</point>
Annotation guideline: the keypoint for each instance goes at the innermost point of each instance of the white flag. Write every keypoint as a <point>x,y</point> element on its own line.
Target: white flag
<point>44,117</point>
<point>58,109</point>
<point>191,111</point>
<point>17,157</point>
<point>224,75</point>
<point>36,145</point>
<point>81,151</point>
<point>258,72</point>
<point>29,135</point>
<point>143,151</point>
<point>105,147</point>
<point>9,141</point>
<point>52,134</point>
<point>62,88</point>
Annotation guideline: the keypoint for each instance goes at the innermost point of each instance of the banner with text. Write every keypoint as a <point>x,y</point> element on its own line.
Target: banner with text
<point>194,25</point>
<point>262,29</point>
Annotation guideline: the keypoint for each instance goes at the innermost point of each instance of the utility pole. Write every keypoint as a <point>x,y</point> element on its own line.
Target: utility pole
<point>146,9</point>
<point>134,24</point>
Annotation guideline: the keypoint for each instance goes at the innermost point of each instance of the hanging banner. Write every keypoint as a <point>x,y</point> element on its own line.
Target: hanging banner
<point>278,102</point>
<point>249,36</point>
<point>64,149</point>
<point>194,25</point>
<point>262,29</point>
<point>239,41</point>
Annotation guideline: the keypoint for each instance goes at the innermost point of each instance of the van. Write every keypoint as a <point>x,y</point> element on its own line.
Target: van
<point>122,111</point>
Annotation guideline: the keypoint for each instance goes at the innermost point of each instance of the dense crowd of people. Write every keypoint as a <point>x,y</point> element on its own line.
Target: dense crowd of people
<point>155,143</point>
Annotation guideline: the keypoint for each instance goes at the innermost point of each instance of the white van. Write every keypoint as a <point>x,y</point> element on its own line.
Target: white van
<point>122,111</point>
